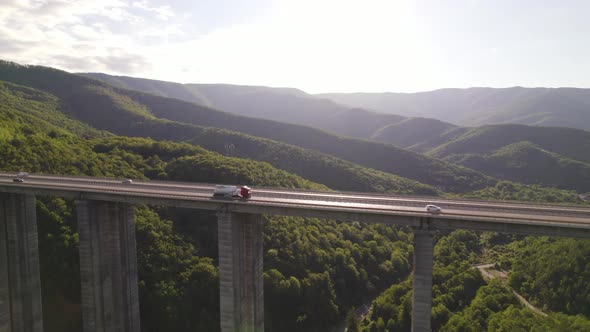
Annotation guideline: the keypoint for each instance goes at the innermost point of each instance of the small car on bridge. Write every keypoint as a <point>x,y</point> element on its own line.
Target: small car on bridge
<point>433,208</point>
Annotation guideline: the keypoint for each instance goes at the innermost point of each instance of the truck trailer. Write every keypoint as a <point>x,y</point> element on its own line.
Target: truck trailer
<point>232,191</point>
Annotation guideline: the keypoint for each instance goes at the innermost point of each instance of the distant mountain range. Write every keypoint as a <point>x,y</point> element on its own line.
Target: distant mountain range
<point>377,116</point>
<point>309,152</point>
<point>56,122</point>
<point>552,156</point>
<point>558,107</point>
<point>529,154</point>
<point>448,157</point>
<point>278,104</point>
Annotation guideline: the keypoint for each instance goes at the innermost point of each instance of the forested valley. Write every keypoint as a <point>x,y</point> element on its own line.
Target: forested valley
<point>316,272</point>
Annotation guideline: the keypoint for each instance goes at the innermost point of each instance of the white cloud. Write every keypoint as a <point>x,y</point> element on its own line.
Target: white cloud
<point>316,45</point>
<point>78,34</point>
<point>118,61</point>
<point>163,12</point>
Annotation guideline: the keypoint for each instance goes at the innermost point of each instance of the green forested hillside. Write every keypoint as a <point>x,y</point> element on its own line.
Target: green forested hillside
<point>549,156</point>
<point>510,191</point>
<point>37,110</point>
<point>154,87</point>
<point>537,270</point>
<point>176,250</point>
<point>537,155</point>
<point>381,157</point>
<point>455,284</point>
<point>279,104</point>
<point>571,143</point>
<point>553,274</point>
<point>315,270</point>
<point>556,280</point>
<point>552,158</point>
<point>416,134</point>
<point>310,164</point>
<point>140,114</point>
<point>527,162</point>
<point>498,151</point>
<point>496,308</point>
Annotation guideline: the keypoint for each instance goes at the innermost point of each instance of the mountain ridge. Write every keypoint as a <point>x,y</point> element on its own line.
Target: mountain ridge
<point>482,106</point>
<point>280,104</point>
<point>443,140</point>
<point>139,113</point>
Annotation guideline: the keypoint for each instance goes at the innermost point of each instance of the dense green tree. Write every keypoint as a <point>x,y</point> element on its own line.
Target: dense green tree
<point>315,270</point>
<point>59,264</point>
<point>489,299</point>
<point>352,322</point>
<point>505,190</point>
<point>455,284</point>
<point>178,289</point>
<point>553,274</point>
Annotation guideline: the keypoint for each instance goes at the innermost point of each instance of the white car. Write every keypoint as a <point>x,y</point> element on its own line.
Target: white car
<point>127,181</point>
<point>433,208</point>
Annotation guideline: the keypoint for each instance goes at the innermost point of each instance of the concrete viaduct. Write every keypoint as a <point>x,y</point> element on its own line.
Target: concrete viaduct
<point>105,212</point>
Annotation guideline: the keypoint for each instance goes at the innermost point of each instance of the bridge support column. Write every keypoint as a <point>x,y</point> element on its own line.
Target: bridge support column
<point>20,282</point>
<point>422,285</point>
<point>108,266</point>
<point>240,272</point>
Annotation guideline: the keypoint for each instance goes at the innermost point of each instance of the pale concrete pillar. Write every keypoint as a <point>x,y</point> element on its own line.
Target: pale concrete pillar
<point>108,266</point>
<point>240,272</point>
<point>422,285</point>
<point>20,282</point>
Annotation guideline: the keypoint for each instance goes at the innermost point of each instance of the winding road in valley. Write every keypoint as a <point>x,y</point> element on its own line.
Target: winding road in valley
<point>488,272</point>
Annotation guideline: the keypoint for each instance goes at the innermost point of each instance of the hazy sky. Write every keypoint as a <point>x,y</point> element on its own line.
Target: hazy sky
<point>314,45</point>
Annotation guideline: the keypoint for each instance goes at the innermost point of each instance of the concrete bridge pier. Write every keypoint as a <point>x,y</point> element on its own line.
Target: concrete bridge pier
<point>20,282</point>
<point>108,266</point>
<point>422,284</point>
<point>240,272</point>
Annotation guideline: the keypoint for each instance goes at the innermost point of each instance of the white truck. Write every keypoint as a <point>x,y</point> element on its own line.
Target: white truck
<point>232,191</point>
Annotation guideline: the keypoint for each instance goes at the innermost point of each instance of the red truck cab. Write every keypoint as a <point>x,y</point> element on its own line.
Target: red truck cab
<point>245,192</point>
